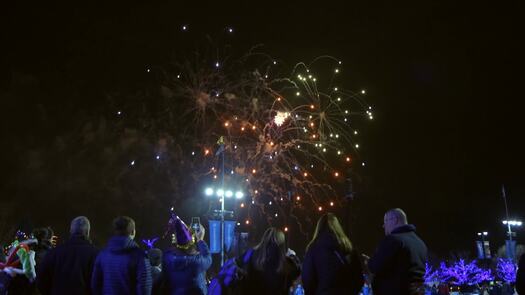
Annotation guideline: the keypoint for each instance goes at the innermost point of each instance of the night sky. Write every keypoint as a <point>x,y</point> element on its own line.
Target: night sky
<point>444,79</point>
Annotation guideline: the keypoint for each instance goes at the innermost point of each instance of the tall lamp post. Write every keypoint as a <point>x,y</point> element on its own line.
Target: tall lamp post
<point>510,246</point>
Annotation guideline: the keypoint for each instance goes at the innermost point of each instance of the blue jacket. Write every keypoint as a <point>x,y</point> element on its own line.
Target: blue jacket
<point>121,268</point>
<point>398,264</point>
<point>186,274</point>
<point>327,270</point>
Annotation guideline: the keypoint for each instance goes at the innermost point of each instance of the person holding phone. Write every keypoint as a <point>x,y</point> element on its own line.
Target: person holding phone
<point>186,262</point>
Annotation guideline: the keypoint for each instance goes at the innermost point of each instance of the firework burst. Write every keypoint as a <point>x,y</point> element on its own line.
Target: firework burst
<point>287,140</point>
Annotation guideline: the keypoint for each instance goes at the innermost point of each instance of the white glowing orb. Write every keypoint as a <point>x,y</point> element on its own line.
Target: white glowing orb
<point>280,117</point>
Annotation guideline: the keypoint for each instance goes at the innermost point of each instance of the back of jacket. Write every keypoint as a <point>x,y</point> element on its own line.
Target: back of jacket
<point>67,269</point>
<point>399,262</point>
<point>326,270</point>
<point>186,274</point>
<point>122,268</point>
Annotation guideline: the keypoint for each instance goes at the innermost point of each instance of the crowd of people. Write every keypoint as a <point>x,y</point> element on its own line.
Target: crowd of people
<point>332,263</point>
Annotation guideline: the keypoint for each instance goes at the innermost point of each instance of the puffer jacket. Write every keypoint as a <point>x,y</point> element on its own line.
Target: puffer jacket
<point>121,268</point>
<point>186,274</point>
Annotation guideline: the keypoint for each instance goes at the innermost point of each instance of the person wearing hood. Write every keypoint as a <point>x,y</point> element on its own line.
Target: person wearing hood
<point>122,267</point>
<point>184,265</point>
<point>67,269</point>
<point>398,265</point>
<point>331,264</point>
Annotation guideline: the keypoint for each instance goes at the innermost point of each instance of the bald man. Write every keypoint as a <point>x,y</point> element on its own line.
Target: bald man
<point>398,265</point>
<point>67,269</point>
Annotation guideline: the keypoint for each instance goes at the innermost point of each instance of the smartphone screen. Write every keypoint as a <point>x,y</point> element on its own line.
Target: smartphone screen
<point>195,224</point>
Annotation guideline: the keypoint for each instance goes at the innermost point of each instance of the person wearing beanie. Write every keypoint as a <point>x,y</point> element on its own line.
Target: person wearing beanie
<point>185,264</point>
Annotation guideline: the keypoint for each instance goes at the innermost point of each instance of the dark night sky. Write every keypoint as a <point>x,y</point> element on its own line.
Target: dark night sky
<point>444,79</point>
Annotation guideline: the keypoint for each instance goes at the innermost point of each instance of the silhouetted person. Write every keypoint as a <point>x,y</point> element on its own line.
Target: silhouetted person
<point>331,264</point>
<point>398,265</point>
<point>186,262</point>
<point>272,269</point>
<point>67,269</point>
<point>155,259</point>
<point>122,267</point>
<point>520,276</point>
<point>43,235</point>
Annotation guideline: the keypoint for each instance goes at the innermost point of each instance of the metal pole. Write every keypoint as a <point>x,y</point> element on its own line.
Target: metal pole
<point>506,212</point>
<point>483,245</point>
<point>222,210</point>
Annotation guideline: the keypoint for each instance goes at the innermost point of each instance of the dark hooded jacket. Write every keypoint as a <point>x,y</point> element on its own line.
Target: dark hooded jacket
<point>67,269</point>
<point>398,264</point>
<point>121,268</point>
<point>327,270</point>
<point>186,274</point>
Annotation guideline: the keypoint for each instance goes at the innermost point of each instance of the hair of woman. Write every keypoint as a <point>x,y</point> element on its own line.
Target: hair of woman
<point>329,223</point>
<point>271,249</point>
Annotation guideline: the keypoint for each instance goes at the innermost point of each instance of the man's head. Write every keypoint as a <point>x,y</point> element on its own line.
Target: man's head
<point>124,226</point>
<point>80,226</point>
<point>155,256</point>
<point>393,219</point>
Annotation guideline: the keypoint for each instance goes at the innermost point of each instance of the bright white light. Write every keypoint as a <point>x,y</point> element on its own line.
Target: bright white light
<point>158,157</point>
<point>280,117</point>
<point>298,93</point>
<point>356,145</point>
<point>485,233</point>
<point>335,88</point>
<point>193,153</point>
<point>512,222</point>
<point>363,91</point>
<point>220,192</point>
<point>178,76</point>
<point>363,164</point>
<point>184,28</point>
<point>147,70</point>
<point>132,163</point>
<point>337,70</point>
<point>269,203</point>
<point>355,132</point>
<point>274,62</point>
<point>230,30</point>
<point>276,214</point>
<point>239,195</point>
<point>208,191</point>
<point>340,62</point>
<point>217,64</point>
<point>119,113</point>
<point>229,194</point>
